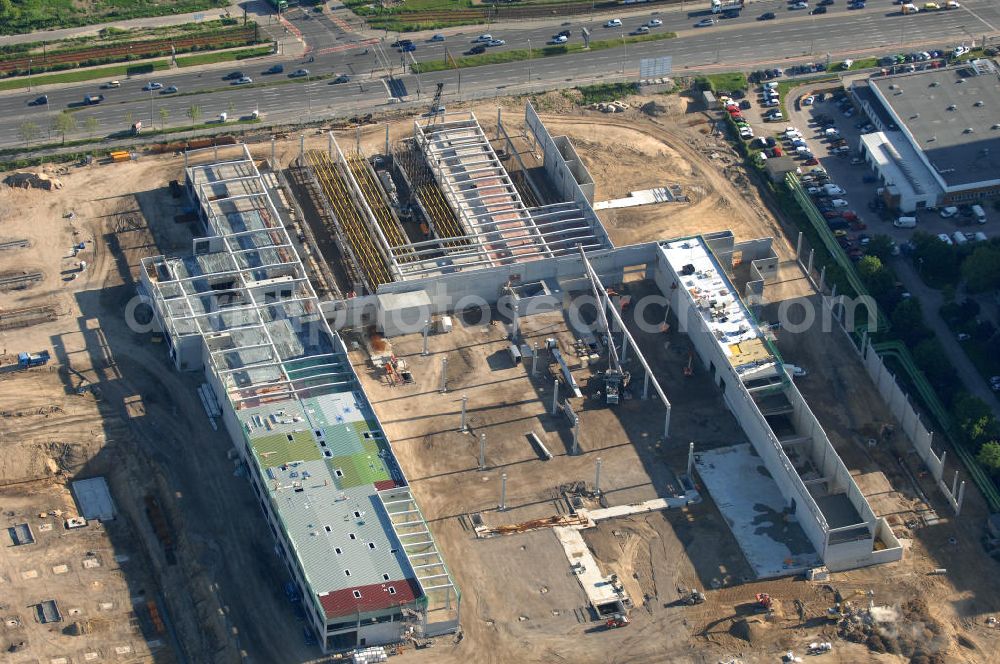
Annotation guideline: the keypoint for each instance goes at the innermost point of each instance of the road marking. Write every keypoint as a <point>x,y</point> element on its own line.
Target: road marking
<point>347,47</point>
<point>984,21</point>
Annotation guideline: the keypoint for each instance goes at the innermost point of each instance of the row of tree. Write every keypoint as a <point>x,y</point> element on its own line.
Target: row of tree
<point>66,123</point>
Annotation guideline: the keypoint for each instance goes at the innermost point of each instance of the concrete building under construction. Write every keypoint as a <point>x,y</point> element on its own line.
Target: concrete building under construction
<point>448,218</point>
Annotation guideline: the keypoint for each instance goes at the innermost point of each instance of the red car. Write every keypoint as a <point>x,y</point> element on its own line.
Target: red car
<point>831,214</point>
<point>812,162</point>
<point>849,215</point>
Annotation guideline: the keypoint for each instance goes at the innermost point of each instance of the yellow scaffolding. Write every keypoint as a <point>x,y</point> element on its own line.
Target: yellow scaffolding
<point>363,245</point>
<point>393,232</point>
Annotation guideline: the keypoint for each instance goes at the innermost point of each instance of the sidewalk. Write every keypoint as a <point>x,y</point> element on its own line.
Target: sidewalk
<point>152,22</point>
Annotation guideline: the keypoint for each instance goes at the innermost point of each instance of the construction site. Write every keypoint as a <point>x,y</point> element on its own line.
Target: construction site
<point>497,384</point>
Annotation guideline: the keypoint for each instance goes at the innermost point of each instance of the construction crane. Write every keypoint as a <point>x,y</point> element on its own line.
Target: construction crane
<point>614,377</point>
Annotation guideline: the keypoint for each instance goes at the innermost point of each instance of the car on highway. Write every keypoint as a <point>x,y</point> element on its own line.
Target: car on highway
<point>276,69</point>
<point>476,50</point>
<point>343,78</point>
<point>857,4</point>
<point>559,39</point>
<point>799,5</point>
<point>114,84</point>
<point>931,6</point>
<point>613,23</point>
<point>233,75</point>
<point>243,80</point>
<point>408,48</point>
<point>298,73</point>
<point>641,30</point>
<point>437,38</point>
<point>818,10</point>
<point>809,101</point>
<point>496,42</point>
<point>824,3</point>
<point>731,13</point>
<point>654,23</point>
<point>39,101</point>
<point>766,16</point>
<point>562,33</point>
<point>705,23</point>
<point>152,85</point>
<point>486,37</point>
<point>169,90</point>
<point>400,43</point>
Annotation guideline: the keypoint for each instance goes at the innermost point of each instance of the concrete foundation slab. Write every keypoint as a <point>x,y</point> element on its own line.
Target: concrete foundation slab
<point>751,503</point>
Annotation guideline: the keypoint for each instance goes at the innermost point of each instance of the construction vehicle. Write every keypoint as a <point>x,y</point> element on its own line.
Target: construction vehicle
<point>615,379</point>
<point>764,602</point>
<point>26,360</point>
<point>694,597</point>
<point>617,620</point>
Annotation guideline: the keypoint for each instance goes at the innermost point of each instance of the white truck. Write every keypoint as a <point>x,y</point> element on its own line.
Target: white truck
<point>719,6</point>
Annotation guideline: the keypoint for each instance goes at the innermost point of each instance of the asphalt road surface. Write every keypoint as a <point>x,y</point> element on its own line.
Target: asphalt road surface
<point>741,43</point>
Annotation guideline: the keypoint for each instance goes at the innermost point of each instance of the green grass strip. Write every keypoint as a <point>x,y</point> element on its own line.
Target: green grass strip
<point>85,74</point>
<point>224,56</point>
<point>518,54</point>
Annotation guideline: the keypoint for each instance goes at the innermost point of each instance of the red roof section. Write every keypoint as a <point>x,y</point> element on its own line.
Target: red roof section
<point>374,597</point>
<point>382,485</point>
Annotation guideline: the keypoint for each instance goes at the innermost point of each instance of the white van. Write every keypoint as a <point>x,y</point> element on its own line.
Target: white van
<point>905,222</point>
<point>979,213</point>
<point>979,237</point>
<point>959,238</point>
<point>839,202</point>
<point>948,212</point>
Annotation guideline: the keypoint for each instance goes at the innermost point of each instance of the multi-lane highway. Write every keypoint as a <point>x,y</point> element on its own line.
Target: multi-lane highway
<point>740,43</point>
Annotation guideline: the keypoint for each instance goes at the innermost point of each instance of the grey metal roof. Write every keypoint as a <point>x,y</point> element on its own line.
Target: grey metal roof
<point>921,103</point>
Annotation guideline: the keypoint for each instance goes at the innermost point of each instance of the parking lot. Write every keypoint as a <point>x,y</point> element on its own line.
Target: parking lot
<point>849,171</point>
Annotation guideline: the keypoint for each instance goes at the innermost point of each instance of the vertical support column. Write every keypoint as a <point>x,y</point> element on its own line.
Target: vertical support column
<point>503,491</point>
<point>498,123</point>
<point>555,396</point>
<point>645,385</point>
<point>534,361</point>
<point>465,401</point>
<point>482,451</point>
<point>386,138</point>
<point>809,267</point>
<point>576,435</point>
<point>444,375</point>
<point>624,347</point>
<point>954,486</point>
<point>597,476</point>
<point>329,143</point>
<point>273,159</point>
<point>666,425</point>
<point>185,161</point>
<point>961,497</point>
<point>798,247</point>
<point>833,291</point>
<point>215,148</point>
<point>690,465</point>
<point>822,279</point>
<point>357,139</point>
<point>427,329</point>
<point>302,146</point>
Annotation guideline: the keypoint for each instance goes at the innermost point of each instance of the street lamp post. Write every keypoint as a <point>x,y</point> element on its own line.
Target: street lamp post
<point>529,61</point>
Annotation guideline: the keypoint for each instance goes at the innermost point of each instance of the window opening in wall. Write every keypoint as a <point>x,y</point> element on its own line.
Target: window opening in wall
<point>371,545</point>
<point>357,594</point>
<point>385,577</point>
<point>392,591</point>
<point>353,536</point>
<point>338,551</point>
<point>347,572</point>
